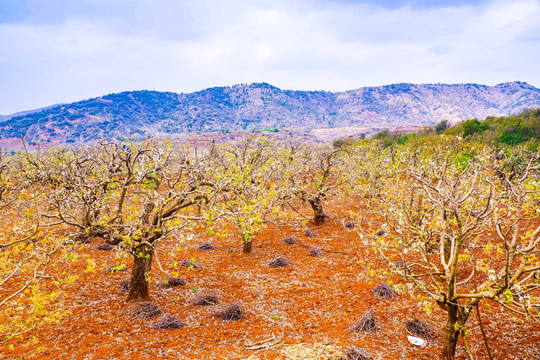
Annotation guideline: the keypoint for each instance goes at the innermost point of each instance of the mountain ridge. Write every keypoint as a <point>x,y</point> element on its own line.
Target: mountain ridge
<point>246,107</point>
<point>27,112</point>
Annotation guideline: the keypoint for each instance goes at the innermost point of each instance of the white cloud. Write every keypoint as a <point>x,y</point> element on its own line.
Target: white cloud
<point>185,46</point>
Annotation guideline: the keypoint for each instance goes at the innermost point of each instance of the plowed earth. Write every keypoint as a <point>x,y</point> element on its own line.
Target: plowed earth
<point>313,302</point>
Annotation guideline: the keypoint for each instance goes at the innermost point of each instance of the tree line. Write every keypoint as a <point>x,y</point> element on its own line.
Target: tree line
<point>513,130</point>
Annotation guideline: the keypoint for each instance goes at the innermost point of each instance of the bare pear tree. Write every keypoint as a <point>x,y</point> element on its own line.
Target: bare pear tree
<point>442,212</point>
<point>168,183</point>
<point>81,182</point>
<point>25,254</point>
<point>130,194</point>
<point>315,173</point>
<point>370,165</point>
<point>253,187</point>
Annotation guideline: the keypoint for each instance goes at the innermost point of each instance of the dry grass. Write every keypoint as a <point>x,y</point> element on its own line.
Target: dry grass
<point>205,299</point>
<point>316,252</point>
<point>419,328</point>
<point>366,323</point>
<point>354,353</point>
<point>290,240</point>
<point>206,246</point>
<point>144,310</point>
<point>168,322</point>
<point>172,282</point>
<point>279,262</point>
<point>311,352</point>
<point>231,312</point>
<point>383,291</point>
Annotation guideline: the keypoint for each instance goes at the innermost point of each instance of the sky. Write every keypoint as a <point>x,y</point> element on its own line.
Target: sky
<point>59,51</point>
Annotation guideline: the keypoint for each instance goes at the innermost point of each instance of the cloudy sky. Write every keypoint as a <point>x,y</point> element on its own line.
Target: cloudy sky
<point>55,51</point>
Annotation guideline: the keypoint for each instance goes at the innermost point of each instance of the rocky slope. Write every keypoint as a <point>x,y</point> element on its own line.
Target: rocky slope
<point>258,106</point>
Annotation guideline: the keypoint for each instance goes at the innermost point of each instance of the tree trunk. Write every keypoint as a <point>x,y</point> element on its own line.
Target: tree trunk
<point>451,334</point>
<point>454,324</point>
<point>142,264</point>
<point>318,213</point>
<point>247,247</point>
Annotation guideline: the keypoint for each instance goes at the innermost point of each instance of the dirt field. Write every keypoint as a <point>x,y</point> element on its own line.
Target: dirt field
<point>300,311</point>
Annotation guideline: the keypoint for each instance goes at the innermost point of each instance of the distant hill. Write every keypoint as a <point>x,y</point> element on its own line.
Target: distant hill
<point>26,112</point>
<point>260,105</point>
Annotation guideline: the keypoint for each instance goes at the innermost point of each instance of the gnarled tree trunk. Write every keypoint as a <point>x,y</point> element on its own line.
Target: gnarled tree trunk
<point>246,249</point>
<point>456,320</point>
<point>318,213</point>
<point>142,264</point>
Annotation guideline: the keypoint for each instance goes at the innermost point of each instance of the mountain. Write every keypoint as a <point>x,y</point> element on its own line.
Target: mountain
<point>26,112</point>
<point>261,105</point>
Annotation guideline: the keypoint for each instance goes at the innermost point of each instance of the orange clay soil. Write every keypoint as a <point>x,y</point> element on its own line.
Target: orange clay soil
<point>312,301</point>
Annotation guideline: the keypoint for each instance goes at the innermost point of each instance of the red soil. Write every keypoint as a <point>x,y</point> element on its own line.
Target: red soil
<point>315,300</point>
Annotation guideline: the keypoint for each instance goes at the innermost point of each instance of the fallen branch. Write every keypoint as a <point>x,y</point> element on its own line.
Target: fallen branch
<point>264,344</point>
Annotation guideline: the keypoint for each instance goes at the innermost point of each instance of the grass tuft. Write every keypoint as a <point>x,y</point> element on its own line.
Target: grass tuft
<point>279,262</point>
<point>419,328</point>
<point>316,252</point>
<point>168,322</point>
<point>231,312</point>
<point>205,299</point>
<point>290,240</point>
<point>383,291</point>
<point>366,323</point>
<point>206,246</point>
<point>144,310</point>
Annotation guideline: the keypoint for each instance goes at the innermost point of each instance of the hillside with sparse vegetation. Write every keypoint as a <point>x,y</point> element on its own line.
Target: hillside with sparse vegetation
<point>140,114</point>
